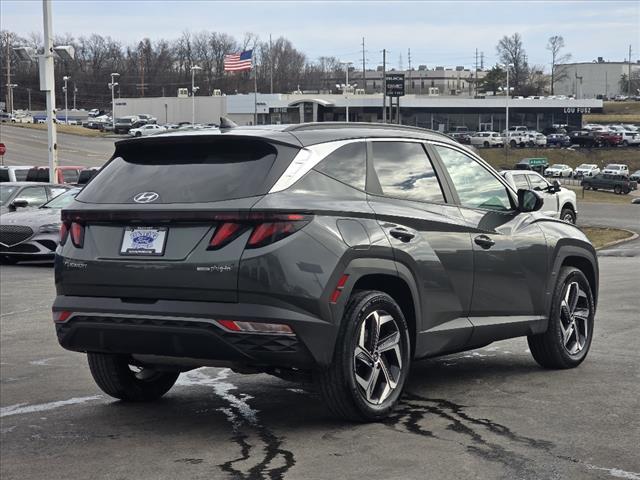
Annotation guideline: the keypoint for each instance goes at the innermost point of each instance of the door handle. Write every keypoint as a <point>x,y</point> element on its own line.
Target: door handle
<point>484,241</point>
<point>401,234</point>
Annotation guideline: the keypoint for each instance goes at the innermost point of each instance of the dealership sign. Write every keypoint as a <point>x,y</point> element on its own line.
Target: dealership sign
<point>394,85</point>
<point>577,109</point>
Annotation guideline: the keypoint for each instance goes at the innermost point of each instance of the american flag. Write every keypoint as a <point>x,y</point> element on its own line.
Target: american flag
<point>238,62</point>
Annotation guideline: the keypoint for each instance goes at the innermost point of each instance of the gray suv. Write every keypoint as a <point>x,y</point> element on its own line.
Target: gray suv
<point>337,253</point>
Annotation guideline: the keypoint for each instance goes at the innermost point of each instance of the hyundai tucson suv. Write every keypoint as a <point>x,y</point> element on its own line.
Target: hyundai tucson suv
<point>333,252</point>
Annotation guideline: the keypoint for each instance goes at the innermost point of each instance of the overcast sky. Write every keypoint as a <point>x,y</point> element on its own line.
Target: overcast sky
<point>438,33</point>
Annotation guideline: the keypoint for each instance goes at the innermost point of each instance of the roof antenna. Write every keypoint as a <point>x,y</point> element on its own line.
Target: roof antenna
<point>226,123</point>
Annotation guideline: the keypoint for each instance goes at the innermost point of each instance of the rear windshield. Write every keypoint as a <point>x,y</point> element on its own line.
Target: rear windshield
<point>4,175</point>
<point>184,171</point>
<point>38,175</point>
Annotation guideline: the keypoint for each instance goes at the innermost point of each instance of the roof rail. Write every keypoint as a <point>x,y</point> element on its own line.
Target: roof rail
<point>381,126</point>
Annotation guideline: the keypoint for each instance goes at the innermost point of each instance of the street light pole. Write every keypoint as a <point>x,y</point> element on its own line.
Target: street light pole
<point>29,93</point>
<point>194,89</point>
<point>345,90</point>
<point>66,106</point>
<point>49,86</point>
<point>112,86</point>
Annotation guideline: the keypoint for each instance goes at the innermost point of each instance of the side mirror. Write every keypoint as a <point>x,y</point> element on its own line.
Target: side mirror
<point>529,201</point>
<point>555,186</point>
<point>19,203</point>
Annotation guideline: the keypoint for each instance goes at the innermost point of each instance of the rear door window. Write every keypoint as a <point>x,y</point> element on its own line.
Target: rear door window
<point>186,170</point>
<point>520,181</point>
<point>405,171</point>
<point>347,165</point>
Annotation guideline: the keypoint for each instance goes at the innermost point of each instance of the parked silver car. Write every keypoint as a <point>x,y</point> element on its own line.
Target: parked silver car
<point>33,234</point>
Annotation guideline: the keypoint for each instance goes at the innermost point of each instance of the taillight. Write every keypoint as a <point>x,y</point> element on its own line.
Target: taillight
<point>265,228</point>
<point>77,234</point>
<point>270,232</point>
<point>256,327</point>
<point>61,316</point>
<point>64,232</point>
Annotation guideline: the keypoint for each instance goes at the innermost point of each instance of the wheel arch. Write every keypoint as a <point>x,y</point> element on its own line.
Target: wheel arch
<point>580,258</point>
<point>385,275</point>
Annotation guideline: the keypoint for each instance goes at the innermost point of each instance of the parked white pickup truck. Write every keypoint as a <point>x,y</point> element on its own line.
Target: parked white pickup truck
<point>558,202</point>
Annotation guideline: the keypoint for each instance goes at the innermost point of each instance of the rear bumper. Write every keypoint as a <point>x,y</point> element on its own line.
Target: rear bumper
<point>184,329</point>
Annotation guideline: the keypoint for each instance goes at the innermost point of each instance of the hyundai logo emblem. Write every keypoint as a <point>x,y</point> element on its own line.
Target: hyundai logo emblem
<point>146,197</point>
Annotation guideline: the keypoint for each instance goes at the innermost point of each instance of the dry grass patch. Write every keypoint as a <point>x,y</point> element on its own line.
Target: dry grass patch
<point>70,129</point>
<point>599,196</point>
<point>603,236</point>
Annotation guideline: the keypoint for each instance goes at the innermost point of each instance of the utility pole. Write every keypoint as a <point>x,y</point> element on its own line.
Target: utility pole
<point>49,86</point>
<point>29,93</point>
<point>481,60</point>
<point>409,60</point>
<point>475,78</point>
<point>270,66</point>
<point>9,104</point>
<point>194,89</point>
<point>384,86</point>
<point>364,70</point>
<point>66,79</point>
<point>629,74</point>
<point>75,91</point>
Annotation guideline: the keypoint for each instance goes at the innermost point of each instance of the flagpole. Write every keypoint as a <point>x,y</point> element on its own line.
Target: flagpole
<point>255,90</point>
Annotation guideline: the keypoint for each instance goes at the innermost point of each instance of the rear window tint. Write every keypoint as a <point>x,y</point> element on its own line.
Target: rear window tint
<point>38,175</point>
<point>184,171</point>
<point>4,175</point>
<point>347,164</point>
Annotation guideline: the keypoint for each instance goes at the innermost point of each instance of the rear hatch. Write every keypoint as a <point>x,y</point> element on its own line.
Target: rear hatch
<point>148,219</point>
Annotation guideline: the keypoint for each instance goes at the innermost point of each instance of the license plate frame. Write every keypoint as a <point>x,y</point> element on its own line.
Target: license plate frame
<point>144,241</point>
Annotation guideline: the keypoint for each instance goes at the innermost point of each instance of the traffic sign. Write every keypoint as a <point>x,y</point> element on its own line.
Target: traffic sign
<point>3,149</point>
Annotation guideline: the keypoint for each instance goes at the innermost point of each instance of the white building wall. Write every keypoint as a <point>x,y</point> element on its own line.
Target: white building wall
<point>597,79</point>
<point>174,109</point>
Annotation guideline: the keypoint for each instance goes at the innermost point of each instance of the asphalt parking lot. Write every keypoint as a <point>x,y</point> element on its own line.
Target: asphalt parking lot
<point>487,413</point>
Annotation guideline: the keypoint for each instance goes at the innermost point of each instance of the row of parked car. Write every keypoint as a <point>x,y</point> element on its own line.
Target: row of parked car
<point>590,136</point>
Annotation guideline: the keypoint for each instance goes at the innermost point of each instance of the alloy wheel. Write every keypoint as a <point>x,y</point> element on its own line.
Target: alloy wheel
<point>377,359</point>
<point>574,318</point>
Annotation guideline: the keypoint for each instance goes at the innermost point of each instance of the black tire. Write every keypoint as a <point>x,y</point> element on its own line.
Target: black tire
<point>626,191</point>
<point>568,215</point>
<point>617,189</point>
<point>486,144</point>
<point>138,134</point>
<point>513,143</point>
<point>115,377</point>
<point>625,143</point>
<point>338,384</point>
<point>549,348</point>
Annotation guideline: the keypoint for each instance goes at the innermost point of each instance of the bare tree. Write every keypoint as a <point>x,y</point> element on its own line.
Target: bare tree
<point>511,51</point>
<point>558,72</point>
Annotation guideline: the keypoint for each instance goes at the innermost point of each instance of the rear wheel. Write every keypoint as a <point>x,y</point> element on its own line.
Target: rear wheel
<point>513,143</point>
<point>118,378</point>
<point>567,340</point>
<point>486,144</point>
<point>371,359</point>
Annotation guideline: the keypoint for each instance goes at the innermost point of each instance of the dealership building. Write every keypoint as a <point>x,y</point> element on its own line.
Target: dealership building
<point>428,111</point>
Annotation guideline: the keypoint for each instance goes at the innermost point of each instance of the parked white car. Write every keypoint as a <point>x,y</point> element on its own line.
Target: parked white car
<point>629,139</point>
<point>517,139</point>
<point>616,169</point>
<point>535,139</point>
<point>558,202</point>
<point>150,129</point>
<point>487,139</point>
<point>586,170</point>
<point>559,170</point>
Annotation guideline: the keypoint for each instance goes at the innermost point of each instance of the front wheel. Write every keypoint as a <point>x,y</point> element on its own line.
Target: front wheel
<point>567,340</point>
<point>117,377</point>
<point>371,359</point>
<point>617,189</point>
<point>486,144</point>
<point>568,215</point>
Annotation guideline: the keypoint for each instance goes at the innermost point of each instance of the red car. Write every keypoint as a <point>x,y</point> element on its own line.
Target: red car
<point>610,139</point>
